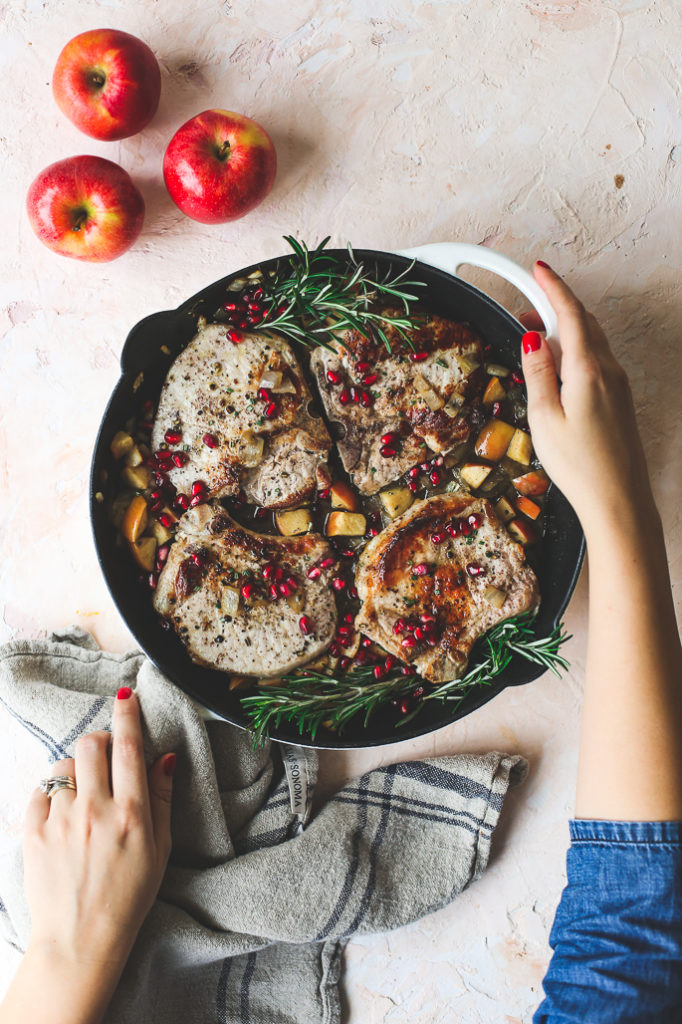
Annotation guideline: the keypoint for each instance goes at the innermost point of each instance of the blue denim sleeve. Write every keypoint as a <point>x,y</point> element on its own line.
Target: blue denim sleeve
<point>617,933</point>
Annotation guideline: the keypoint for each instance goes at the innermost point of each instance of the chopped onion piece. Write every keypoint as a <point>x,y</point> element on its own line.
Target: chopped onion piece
<point>296,600</point>
<point>433,400</point>
<point>494,596</point>
<point>286,387</point>
<point>251,448</point>
<point>495,370</point>
<point>237,285</point>
<point>229,600</point>
<point>270,379</point>
<point>453,405</point>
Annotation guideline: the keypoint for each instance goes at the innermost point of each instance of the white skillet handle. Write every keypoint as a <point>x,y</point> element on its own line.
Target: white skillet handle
<point>450,256</point>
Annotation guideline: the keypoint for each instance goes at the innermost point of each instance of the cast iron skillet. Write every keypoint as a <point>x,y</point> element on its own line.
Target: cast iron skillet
<point>144,366</point>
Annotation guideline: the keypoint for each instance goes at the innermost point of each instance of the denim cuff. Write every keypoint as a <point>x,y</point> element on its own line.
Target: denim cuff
<point>590,830</point>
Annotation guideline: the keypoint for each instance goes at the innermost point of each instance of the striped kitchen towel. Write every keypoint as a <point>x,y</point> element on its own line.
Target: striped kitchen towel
<point>260,894</point>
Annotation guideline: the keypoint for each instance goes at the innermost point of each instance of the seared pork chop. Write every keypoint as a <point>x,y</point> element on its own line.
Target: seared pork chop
<point>222,431</point>
<point>424,590</point>
<point>215,589</point>
<point>422,400</point>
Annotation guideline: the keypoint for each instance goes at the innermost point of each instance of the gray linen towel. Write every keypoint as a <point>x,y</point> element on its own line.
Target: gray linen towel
<point>259,895</point>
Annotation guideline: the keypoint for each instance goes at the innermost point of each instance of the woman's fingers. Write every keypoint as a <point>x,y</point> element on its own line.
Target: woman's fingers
<point>160,793</point>
<point>578,340</point>
<point>91,758</point>
<point>539,369</point>
<point>128,770</point>
<point>62,799</point>
<point>532,321</point>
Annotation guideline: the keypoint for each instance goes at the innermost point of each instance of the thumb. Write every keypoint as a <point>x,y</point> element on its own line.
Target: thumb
<point>160,793</point>
<point>539,369</point>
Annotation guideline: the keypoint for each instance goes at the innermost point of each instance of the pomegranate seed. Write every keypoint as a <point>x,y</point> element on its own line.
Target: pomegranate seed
<point>268,571</point>
<point>404,706</point>
<point>334,650</point>
<point>172,437</point>
<point>279,573</point>
<point>399,626</point>
<point>327,563</point>
<point>355,395</point>
<point>487,349</point>
<point>242,324</point>
<point>475,520</point>
<point>349,617</point>
<point>389,438</point>
<point>164,457</point>
<point>497,409</point>
<point>198,499</point>
<point>517,378</point>
<point>406,670</point>
<point>437,538</point>
<point>409,642</point>
<point>247,590</point>
<point>418,357</point>
<point>421,569</point>
<point>166,520</point>
<point>253,306</point>
<point>198,487</point>
<point>454,529</point>
<point>345,663</point>
<point>475,569</point>
<point>389,662</point>
<point>435,477</point>
<point>259,294</point>
<point>156,506</point>
<point>324,495</point>
<point>338,583</point>
<point>162,553</point>
<point>365,642</point>
<point>152,580</point>
<point>284,589</point>
<point>180,459</point>
<point>210,440</point>
<point>372,532</point>
<point>366,400</point>
<point>465,528</point>
<point>282,309</point>
<point>427,618</point>
<point>387,451</point>
<point>182,501</point>
<point>363,367</point>
<point>343,631</point>
<point>438,461</point>
<point>292,582</point>
<point>264,395</point>
<point>419,633</point>
<point>369,379</point>
<point>353,593</point>
<point>230,307</point>
<point>413,473</point>
<point>378,672</point>
<point>155,495</point>
<point>333,377</point>
<point>260,513</point>
<point>254,318</point>
<point>347,553</point>
<point>270,410</point>
<point>418,692</point>
<point>274,592</point>
<point>197,559</point>
<point>236,336</point>
<point>344,396</point>
<point>425,466</point>
<point>313,573</point>
<point>305,625</point>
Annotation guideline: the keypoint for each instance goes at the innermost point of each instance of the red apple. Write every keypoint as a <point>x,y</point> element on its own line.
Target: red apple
<point>219,166</point>
<point>108,83</point>
<point>85,207</point>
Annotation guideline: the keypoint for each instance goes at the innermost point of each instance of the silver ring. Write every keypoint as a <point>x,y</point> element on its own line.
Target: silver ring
<point>57,782</point>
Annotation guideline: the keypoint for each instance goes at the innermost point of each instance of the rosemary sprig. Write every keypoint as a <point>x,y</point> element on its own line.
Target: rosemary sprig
<point>310,699</point>
<point>313,296</point>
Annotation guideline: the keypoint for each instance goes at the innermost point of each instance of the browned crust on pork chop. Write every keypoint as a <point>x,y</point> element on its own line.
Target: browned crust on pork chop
<point>260,636</point>
<point>451,369</point>
<point>391,589</point>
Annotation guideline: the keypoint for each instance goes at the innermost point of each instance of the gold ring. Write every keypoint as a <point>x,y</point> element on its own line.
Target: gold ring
<point>51,786</point>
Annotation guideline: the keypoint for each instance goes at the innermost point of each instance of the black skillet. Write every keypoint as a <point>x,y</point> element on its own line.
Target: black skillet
<point>144,366</point>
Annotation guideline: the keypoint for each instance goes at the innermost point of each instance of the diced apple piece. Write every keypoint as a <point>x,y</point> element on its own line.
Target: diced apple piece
<point>520,447</point>
<point>346,524</point>
<point>474,473</point>
<point>133,457</point>
<point>494,439</point>
<point>453,406</point>
<point>505,510</point>
<point>161,533</point>
<point>466,364</point>
<point>293,521</point>
<point>121,443</point>
<point>139,477</point>
<point>144,552</point>
<point>229,600</point>
<point>528,507</point>
<point>296,601</point>
<point>251,448</point>
<point>496,370</point>
<point>494,392</point>
<point>136,518</point>
<point>522,531</point>
<point>396,500</point>
<point>532,484</point>
<point>343,496</point>
<point>494,596</point>
<point>433,400</point>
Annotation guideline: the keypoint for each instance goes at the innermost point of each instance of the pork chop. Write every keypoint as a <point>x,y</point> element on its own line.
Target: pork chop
<point>421,394</point>
<point>215,590</point>
<point>231,434</point>
<point>425,593</point>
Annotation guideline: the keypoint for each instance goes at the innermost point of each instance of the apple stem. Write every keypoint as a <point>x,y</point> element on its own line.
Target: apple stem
<point>98,79</point>
<point>223,151</point>
<point>79,219</point>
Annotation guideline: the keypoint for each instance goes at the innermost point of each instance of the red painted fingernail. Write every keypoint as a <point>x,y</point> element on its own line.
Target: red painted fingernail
<point>541,263</point>
<point>169,764</point>
<point>531,341</point>
<point>124,693</point>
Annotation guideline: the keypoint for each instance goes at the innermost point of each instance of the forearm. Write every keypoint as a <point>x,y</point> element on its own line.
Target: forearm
<point>630,765</point>
<point>50,989</point>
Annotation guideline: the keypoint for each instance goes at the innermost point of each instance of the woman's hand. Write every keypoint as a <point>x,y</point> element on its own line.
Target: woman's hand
<point>585,432</point>
<point>94,858</point>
